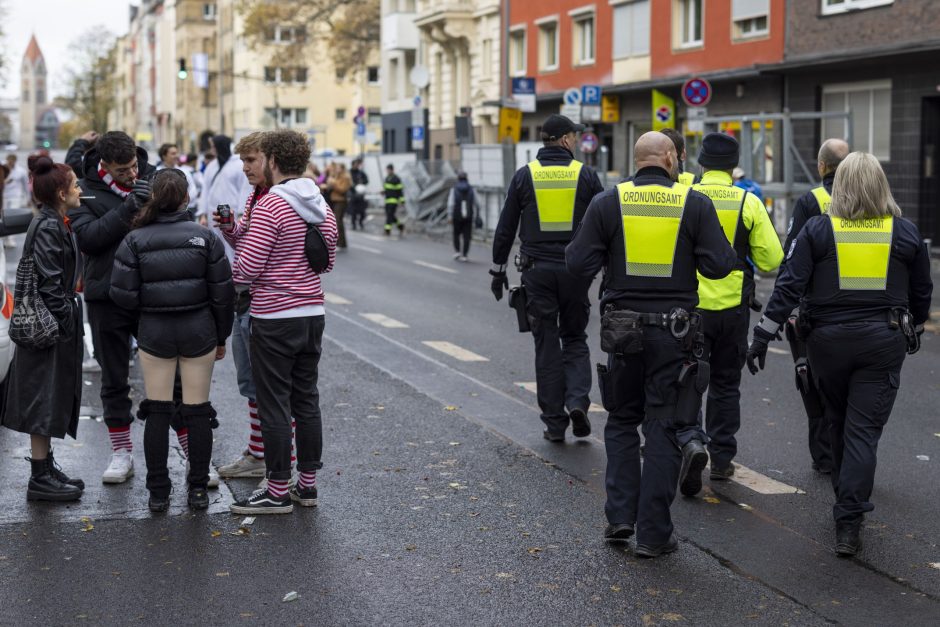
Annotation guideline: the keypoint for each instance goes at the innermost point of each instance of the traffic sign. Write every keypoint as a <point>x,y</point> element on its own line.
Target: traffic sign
<point>589,143</point>
<point>572,112</point>
<point>417,138</point>
<point>590,113</point>
<point>590,95</point>
<point>523,92</point>
<point>510,124</point>
<point>696,119</point>
<point>572,96</point>
<point>696,92</point>
<point>417,101</point>
<point>610,109</point>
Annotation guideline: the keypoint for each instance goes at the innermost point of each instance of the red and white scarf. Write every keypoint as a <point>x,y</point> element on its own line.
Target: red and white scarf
<point>116,187</point>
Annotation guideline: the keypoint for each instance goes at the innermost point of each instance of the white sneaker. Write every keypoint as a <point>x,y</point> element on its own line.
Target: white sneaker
<point>263,484</point>
<point>213,483</point>
<point>457,256</point>
<point>120,469</point>
<point>247,465</point>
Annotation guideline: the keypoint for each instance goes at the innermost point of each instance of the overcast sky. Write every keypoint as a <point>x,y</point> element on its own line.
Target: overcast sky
<point>56,23</point>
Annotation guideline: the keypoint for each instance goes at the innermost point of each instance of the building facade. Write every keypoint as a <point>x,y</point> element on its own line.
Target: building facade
<point>399,50</point>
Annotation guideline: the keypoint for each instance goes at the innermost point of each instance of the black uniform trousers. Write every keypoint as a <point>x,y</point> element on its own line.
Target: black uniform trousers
<point>558,310</point>
<point>111,330</point>
<point>818,431</point>
<point>857,367</point>
<point>285,358</point>
<point>391,219</point>
<point>644,389</point>
<point>463,230</point>
<point>726,346</point>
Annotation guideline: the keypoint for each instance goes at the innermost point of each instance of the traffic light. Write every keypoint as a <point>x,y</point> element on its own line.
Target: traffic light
<point>182,74</point>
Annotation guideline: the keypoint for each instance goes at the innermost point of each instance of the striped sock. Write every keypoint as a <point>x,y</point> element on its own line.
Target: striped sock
<point>293,436</point>
<point>277,488</point>
<point>120,438</point>
<point>307,479</point>
<point>183,436</point>
<point>255,441</point>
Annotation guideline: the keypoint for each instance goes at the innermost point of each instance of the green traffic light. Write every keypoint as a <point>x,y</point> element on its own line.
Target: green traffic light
<point>182,74</point>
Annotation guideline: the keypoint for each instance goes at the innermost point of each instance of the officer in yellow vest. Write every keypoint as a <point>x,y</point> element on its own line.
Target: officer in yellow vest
<point>724,303</point>
<point>863,273</point>
<point>548,197</point>
<point>651,235</point>
<point>813,203</point>
<point>686,178</point>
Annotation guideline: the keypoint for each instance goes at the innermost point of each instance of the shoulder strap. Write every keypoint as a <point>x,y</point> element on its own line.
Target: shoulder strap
<point>31,234</point>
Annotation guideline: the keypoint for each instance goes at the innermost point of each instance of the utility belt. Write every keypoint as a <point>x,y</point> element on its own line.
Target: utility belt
<point>897,318</point>
<point>622,329</point>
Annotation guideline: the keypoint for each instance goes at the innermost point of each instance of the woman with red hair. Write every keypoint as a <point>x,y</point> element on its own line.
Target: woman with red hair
<point>44,386</point>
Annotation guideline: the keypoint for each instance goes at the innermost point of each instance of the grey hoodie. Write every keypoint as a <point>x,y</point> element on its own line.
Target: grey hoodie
<point>304,197</point>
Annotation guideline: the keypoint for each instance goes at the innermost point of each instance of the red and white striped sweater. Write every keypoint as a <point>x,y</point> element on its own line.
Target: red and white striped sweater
<point>270,257</point>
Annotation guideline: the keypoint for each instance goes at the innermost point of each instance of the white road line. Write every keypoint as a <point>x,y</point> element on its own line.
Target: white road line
<point>762,484</point>
<point>368,249</point>
<point>458,353</point>
<point>383,320</point>
<point>434,266</point>
<point>778,351</point>
<point>374,238</point>
<point>336,299</point>
<point>531,386</point>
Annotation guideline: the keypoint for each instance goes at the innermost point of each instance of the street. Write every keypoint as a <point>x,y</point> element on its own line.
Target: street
<point>440,502</point>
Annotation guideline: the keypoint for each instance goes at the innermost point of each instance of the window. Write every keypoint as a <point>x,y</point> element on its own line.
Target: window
<point>373,74</point>
<point>690,23</point>
<point>548,46</point>
<point>208,11</point>
<point>300,75</point>
<point>285,75</point>
<point>286,34</point>
<point>340,115</point>
<point>584,40</point>
<point>632,25</point>
<point>270,74</point>
<point>517,52</point>
<point>375,116</point>
<point>831,7</point>
<point>870,106</point>
<point>750,18</point>
<point>289,118</point>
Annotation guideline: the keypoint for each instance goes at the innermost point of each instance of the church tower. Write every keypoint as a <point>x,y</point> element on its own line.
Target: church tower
<point>33,93</point>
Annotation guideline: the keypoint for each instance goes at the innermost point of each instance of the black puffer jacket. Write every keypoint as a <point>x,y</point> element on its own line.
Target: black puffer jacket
<point>102,222</point>
<point>176,274</point>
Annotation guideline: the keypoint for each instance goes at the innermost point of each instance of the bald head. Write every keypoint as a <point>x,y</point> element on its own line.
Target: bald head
<point>655,149</point>
<point>831,154</point>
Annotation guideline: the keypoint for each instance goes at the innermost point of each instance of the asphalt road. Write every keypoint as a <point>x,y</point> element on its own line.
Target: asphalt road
<point>441,502</point>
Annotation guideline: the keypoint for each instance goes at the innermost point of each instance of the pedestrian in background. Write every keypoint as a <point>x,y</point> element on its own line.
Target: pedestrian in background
<point>75,155</point>
<point>463,208</point>
<point>749,185</point>
<point>115,185</point>
<point>863,273</point>
<point>16,193</point>
<point>44,387</point>
<point>175,274</point>
<point>170,158</point>
<point>287,320</point>
<point>357,198</point>
<point>337,189</point>
<point>394,192</point>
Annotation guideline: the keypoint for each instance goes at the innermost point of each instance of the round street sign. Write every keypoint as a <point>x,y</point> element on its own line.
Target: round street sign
<point>572,96</point>
<point>696,92</point>
<point>589,143</point>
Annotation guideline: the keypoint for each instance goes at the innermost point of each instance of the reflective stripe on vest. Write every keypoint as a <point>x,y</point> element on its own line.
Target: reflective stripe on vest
<point>729,202</point>
<point>823,199</point>
<point>863,249</point>
<point>686,178</point>
<point>651,217</point>
<point>556,187</point>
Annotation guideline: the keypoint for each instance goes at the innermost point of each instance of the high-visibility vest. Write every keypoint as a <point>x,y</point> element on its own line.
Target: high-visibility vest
<point>720,294</point>
<point>729,202</point>
<point>686,178</point>
<point>823,199</point>
<point>863,250</point>
<point>651,216</point>
<point>556,187</point>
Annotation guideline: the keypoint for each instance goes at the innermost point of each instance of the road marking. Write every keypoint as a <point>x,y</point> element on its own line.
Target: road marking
<point>383,320</point>
<point>759,483</point>
<point>374,238</point>
<point>434,266</point>
<point>778,351</point>
<point>531,386</point>
<point>336,299</point>
<point>460,354</point>
<point>368,249</point>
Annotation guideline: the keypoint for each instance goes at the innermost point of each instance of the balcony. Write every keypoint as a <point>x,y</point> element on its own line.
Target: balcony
<point>399,32</point>
<point>444,22</point>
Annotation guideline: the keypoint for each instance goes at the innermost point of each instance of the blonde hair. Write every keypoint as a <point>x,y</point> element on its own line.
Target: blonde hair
<point>860,189</point>
<point>249,143</point>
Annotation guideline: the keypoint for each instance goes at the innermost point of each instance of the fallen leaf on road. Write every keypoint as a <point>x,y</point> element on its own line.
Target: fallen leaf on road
<point>454,443</point>
<point>548,586</point>
<point>923,458</point>
<point>672,616</point>
<point>535,550</point>
<point>216,534</point>
<point>222,574</point>
<point>290,596</point>
<point>450,407</point>
<point>615,588</point>
<point>711,499</point>
<point>934,565</point>
<point>504,575</point>
<point>88,526</point>
<point>746,506</point>
<point>411,547</point>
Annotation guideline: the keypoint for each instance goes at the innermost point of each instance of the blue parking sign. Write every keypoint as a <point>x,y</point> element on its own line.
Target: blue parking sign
<point>591,95</point>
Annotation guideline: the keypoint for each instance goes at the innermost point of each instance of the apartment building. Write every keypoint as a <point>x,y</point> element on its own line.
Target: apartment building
<point>399,51</point>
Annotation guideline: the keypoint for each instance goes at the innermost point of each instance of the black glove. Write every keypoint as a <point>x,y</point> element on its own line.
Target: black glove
<point>498,284</point>
<point>141,191</point>
<point>758,349</point>
<point>755,304</point>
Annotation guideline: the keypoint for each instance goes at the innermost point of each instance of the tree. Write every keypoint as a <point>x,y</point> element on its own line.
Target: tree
<point>90,79</point>
<point>350,29</point>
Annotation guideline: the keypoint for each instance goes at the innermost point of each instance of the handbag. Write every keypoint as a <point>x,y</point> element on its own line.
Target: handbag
<point>316,249</point>
<point>32,325</point>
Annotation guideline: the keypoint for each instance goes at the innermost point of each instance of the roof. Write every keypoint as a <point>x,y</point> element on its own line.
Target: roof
<point>33,53</point>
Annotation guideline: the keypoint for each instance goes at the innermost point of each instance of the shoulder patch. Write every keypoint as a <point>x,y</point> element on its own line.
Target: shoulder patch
<point>790,226</point>
<point>790,252</point>
<point>198,241</point>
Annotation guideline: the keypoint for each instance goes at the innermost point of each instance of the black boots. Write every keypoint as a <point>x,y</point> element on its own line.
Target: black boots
<point>61,476</point>
<point>45,485</point>
<point>199,421</point>
<point>847,540</point>
<point>157,416</point>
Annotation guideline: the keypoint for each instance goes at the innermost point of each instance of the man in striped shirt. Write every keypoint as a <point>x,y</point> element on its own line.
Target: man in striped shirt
<point>287,320</point>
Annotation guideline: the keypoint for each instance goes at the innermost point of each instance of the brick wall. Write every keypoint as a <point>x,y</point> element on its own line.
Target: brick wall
<point>809,32</point>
